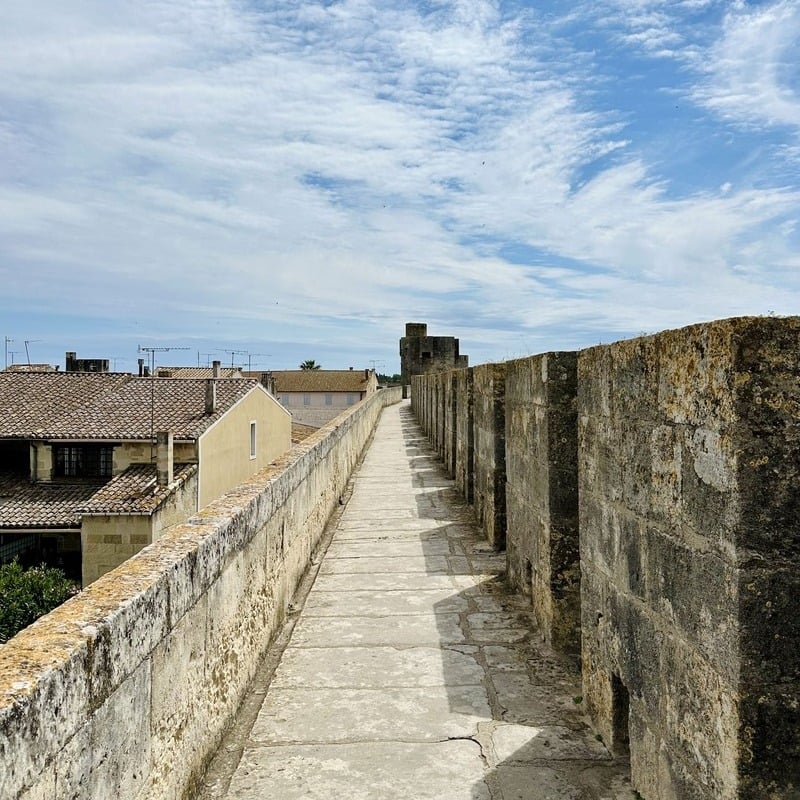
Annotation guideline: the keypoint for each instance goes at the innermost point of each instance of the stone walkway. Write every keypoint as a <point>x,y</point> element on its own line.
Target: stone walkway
<point>411,672</point>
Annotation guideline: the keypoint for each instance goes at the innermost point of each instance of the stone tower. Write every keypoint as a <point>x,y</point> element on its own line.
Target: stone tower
<point>420,353</point>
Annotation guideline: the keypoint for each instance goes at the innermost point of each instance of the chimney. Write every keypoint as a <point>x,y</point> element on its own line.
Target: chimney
<point>366,373</point>
<point>215,366</point>
<point>141,367</point>
<point>69,361</point>
<point>211,396</point>
<point>164,465</point>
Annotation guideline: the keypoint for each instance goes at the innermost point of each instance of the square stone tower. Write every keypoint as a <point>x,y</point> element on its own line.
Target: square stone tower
<point>420,353</point>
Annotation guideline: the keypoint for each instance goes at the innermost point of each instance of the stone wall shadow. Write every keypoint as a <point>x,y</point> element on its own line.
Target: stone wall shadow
<point>534,737</point>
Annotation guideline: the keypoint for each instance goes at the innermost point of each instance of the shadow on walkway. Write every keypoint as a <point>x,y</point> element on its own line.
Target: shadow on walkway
<point>411,672</point>
<point>536,742</point>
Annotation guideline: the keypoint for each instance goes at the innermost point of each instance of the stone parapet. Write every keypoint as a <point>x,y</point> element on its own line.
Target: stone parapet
<point>689,453</point>
<point>125,690</point>
<point>542,492</point>
<point>489,490</point>
<point>687,446</point>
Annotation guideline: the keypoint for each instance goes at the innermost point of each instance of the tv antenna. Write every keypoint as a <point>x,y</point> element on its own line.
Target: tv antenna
<point>250,359</point>
<point>235,353</point>
<point>27,354</point>
<point>8,342</point>
<point>376,364</point>
<point>152,355</point>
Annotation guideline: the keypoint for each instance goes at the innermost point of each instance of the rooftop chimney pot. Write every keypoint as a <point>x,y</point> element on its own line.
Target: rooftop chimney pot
<point>164,458</point>
<point>211,396</point>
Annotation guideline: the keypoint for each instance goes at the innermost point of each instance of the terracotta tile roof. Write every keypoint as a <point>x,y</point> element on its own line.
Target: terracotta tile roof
<point>42,505</point>
<point>135,490</point>
<point>198,372</point>
<point>319,380</point>
<point>109,406</point>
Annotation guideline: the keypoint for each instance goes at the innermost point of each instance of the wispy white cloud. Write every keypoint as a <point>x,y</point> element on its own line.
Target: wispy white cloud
<point>280,167</point>
<point>752,69</point>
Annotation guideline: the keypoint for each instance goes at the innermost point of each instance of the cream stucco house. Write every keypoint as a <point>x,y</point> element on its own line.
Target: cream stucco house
<point>316,396</point>
<point>94,466</point>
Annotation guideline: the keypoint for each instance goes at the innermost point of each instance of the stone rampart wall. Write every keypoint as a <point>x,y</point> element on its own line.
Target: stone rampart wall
<point>124,691</point>
<point>542,492</point>
<point>686,452</point>
<point>489,470</point>
<point>465,433</point>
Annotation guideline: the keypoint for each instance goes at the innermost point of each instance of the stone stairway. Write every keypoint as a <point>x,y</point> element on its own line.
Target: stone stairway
<point>408,670</point>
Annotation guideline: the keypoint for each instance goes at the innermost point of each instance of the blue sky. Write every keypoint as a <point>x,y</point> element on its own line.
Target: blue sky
<point>298,180</point>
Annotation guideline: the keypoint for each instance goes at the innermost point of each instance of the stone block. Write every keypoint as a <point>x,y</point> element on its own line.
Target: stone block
<point>110,755</point>
<point>465,435</point>
<point>689,456</point>
<point>489,452</point>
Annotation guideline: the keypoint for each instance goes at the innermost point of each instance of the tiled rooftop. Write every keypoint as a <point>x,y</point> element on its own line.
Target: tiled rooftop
<point>60,505</point>
<point>109,406</point>
<point>135,490</point>
<point>197,372</point>
<point>30,368</point>
<point>319,380</point>
<point>42,505</point>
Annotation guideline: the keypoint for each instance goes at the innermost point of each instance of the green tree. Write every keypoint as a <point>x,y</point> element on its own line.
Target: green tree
<point>27,594</point>
<point>309,363</point>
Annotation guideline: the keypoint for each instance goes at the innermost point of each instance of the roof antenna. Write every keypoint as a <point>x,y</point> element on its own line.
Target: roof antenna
<point>152,351</point>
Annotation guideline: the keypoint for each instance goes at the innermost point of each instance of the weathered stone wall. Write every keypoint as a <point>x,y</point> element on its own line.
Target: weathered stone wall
<point>436,427</point>
<point>442,403</point>
<point>123,692</point>
<point>542,492</point>
<point>465,434</point>
<point>688,453</point>
<point>690,548</point>
<point>449,421</point>
<point>489,489</point>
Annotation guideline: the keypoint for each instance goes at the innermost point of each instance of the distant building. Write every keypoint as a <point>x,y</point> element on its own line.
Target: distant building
<point>31,368</point>
<point>315,396</point>
<point>420,353</point>
<point>215,371</point>
<point>94,466</point>
<point>74,364</point>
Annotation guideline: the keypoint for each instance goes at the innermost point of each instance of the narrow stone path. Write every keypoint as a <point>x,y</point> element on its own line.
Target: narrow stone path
<point>411,672</point>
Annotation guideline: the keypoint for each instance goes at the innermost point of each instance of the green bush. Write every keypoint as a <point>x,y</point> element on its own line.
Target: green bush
<point>27,594</point>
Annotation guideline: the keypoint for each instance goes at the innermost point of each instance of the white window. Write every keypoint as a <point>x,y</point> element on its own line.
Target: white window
<point>252,439</point>
<point>306,399</point>
<point>328,399</point>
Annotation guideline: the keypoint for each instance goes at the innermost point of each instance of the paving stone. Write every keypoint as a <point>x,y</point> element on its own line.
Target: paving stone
<point>431,713</point>
<point>388,546</point>
<point>512,744</point>
<point>375,666</point>
<point>429,565</point>
<point>534,704</point>
<point>441,771</point>
<point>431,629</point>
<point>381,604</point>
<point>411,671</point>
<point>383,581</point>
